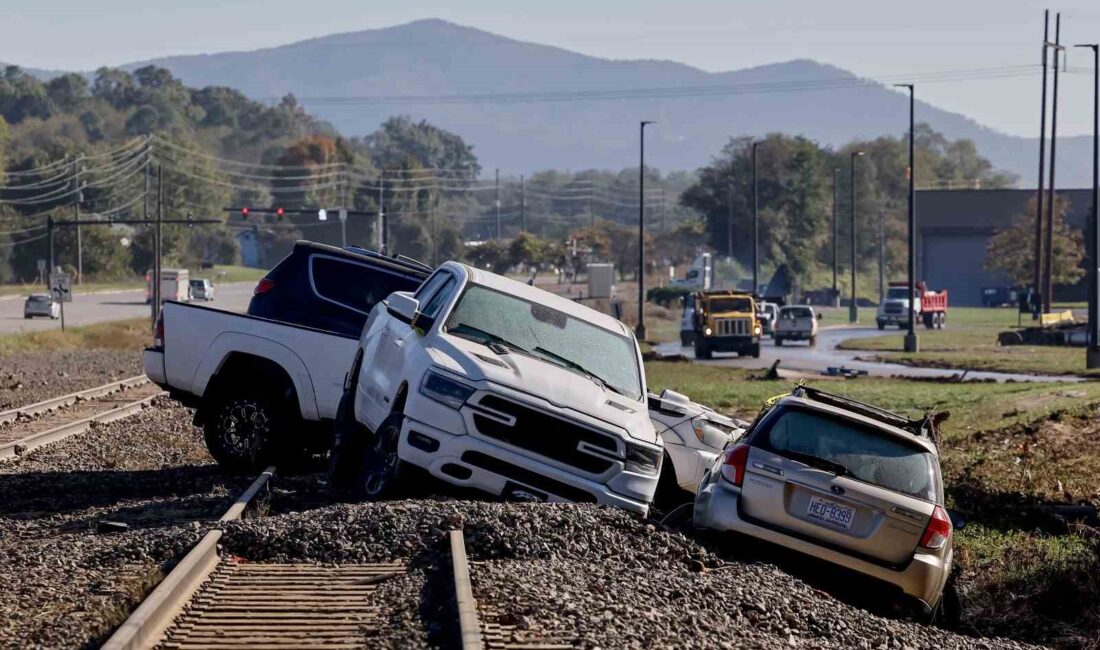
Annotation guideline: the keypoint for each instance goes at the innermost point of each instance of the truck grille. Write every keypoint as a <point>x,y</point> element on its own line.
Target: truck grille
<point>732,326</point>
<point>893,308</point>
<point>547,435</point>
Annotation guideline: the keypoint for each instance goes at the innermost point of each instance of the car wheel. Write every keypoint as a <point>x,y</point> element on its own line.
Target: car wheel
<point>242,433</point>
<point>948,612</point>
<point>383,470</point>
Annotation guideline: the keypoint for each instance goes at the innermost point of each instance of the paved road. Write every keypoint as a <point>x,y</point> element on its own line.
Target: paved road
<point>89,308</point>
<point>801,357</point>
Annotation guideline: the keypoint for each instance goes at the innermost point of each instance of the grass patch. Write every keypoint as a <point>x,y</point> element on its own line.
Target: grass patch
<point>115,335</point>
<point>971,342</point>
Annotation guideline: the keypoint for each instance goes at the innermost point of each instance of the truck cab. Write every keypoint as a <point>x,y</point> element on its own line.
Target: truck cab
<point>726,321</point>
<point>930,307</point>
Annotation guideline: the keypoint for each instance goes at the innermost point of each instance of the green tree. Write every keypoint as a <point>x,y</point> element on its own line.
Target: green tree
<point>1011,251</point>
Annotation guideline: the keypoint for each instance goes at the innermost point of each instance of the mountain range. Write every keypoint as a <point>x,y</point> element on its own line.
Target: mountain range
<point>481,86</point>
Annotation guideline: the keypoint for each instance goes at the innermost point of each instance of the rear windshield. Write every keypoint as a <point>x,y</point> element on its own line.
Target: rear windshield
<point>721,305</point>
<point>196,283</point>
<point>40,298</point>
<point>796,312</point>
<point>865,454</point>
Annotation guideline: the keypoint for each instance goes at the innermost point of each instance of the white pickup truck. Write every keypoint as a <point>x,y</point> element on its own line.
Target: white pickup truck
<point>488,383</point>
<point>796,323</point>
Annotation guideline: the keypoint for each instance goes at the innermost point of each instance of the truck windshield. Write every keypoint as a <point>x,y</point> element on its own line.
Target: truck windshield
<point>722,305</point>
<point>553,336</point>
<point>896,293</point>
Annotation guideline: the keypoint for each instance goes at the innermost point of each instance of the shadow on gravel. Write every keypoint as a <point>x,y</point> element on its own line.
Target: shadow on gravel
<point>36,494</point>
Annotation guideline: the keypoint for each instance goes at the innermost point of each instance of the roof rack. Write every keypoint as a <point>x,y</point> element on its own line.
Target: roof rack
<point>925,426</point>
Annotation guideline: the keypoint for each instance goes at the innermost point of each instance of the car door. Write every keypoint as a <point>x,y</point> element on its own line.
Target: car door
<point>878,512</point>
<point>385,366</point>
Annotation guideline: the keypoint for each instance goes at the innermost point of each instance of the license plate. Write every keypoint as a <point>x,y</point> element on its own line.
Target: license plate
<point>830,512</point>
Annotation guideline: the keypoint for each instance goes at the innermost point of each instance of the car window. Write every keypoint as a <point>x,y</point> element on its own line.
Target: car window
<point>439,298</point>
<point>867,455</point>
<point>430,285</point>
<point>355,286</point>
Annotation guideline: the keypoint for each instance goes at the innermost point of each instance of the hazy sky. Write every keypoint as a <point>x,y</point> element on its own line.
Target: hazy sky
<point>877,38</point>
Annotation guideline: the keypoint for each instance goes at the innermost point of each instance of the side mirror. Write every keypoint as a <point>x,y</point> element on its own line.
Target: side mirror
<point>403,306</point>
<point>958,521</point>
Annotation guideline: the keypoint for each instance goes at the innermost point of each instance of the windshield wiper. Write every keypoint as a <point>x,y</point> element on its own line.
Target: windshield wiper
<point>487,339</point>
<point>830,466</point>
<point>569,363</point>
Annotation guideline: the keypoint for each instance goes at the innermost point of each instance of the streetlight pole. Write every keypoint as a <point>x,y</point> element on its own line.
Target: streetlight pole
<point>912,343</point>
<point>755,225</point>
<point>1048,258</point>
<point>836,258</point>
<point>639,331</point>
<point>1037,276</point>
<point>1092,356</point>
<point>729,216</point>
<point>853,310</point>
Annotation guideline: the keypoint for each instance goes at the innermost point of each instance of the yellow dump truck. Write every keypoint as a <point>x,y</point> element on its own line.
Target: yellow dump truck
<point>726,321</point>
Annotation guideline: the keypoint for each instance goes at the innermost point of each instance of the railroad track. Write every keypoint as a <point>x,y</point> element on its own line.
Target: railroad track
<point>29,427</point>
<point>209,601</point>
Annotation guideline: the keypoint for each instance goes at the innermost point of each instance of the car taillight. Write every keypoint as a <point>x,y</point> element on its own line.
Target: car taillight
<point>158,331</point>
<point>263,286</point>
<point>938,530</point>
<point>733,466</point>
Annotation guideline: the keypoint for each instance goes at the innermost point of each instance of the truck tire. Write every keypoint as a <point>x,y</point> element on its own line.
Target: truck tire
<point>941,320</point>
<point>929,320</point>
<point>778,341</point>
<point>384,474</point>
<point>702,350</point>
<point>881,325</point>
<point>243,431</point>
<point>685,340</point>
<point>755,351</point>
<point>349,440</point>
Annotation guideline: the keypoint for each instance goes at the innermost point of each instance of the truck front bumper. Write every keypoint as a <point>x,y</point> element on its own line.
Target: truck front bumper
<point>893,319</point>
<point>467,461</point>
<point>731,343</point>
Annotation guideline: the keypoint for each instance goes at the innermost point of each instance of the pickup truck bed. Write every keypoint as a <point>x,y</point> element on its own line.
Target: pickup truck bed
<point>258,384</point>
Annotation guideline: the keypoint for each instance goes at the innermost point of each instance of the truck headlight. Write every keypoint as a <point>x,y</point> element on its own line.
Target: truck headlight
<point>445,390</point>
<point>710,433</point>
<point>643,460</point>
<point>756,330</point>
<point>706,331</point>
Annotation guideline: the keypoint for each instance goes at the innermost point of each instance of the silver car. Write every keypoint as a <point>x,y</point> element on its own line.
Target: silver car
<point>41,304</point>
<point>694,435</point>
<point>843,482</point>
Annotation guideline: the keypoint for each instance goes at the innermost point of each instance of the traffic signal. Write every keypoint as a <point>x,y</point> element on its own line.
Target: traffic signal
<point>244,214</point>
<point>279,213</point>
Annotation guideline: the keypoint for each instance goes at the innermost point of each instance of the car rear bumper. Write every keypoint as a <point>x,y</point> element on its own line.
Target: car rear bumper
<point>922,579</point>
<point>152,363</point>
<point>799,335</point>
<point>468,461</point>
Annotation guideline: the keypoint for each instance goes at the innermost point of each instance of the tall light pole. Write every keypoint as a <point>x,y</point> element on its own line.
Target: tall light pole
<point>912,343</point>
<point>1092,356</point>
<point>1037,276</point>
<point>1048,258</point>
<point>836,258</point>
<point>853,310</point>
<point>729,215</point>
<point>755,225</point>
<point>639,331</point>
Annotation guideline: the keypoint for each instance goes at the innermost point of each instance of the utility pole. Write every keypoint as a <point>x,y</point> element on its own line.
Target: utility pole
<point>1092,356</point>
<point>881,256</point>
<point>640,329</point>
<point>145,217</point>
<point>1048,261</point>
<point>912,344</point>
<point>498,202</point>
<point>729,216</point>
<point>836,258</point>
<point>381,215</point>
<point>158,244</point>
<point>853,309</point>
<point>78,196</point>
<point>755,225</point>
<point>1037,276</point>
<point>523,203</point>
<point>662,227</point>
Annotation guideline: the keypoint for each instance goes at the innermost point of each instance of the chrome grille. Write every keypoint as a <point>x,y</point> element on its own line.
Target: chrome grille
<point>732,326</point>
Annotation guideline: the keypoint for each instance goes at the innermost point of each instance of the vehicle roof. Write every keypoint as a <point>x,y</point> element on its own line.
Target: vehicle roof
<point>539,296</point>
<point>901,434</point>
<point>788,307</point>
<point>371,257</point>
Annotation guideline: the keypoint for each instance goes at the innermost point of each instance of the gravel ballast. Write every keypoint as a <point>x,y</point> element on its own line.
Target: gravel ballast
<point>66,585</point>
<point>28,377</point>
<point>593,576</point>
